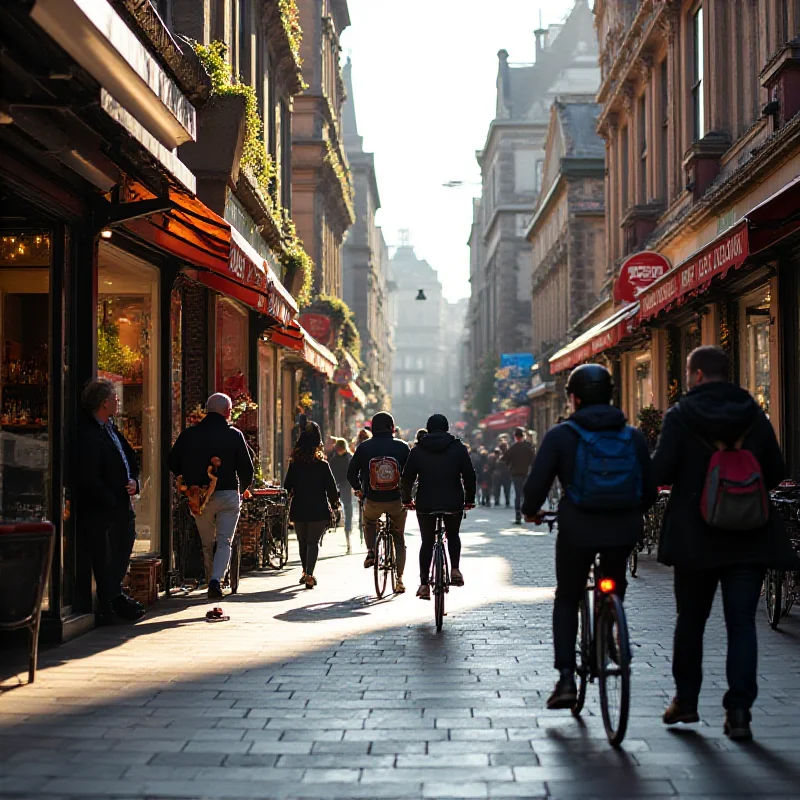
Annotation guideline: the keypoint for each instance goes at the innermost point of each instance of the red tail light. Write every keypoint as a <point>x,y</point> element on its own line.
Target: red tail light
<point>607,585</point>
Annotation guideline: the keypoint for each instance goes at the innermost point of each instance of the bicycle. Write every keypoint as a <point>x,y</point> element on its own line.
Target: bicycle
<point>781,588</point>
<point>439,579</point>
<point>603,649</point>
<point>385,557</point>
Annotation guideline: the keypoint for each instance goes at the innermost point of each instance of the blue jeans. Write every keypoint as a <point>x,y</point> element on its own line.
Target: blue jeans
<point>694,595</point>
<point>519,483</point>
<point>217,524</point>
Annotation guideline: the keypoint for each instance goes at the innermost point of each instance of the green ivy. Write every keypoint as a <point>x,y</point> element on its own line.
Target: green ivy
<point>343,317</point>
<point>290,19</point>
<point>342,174</point>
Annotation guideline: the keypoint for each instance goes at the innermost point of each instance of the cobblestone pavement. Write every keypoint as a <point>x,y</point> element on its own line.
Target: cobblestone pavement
<point>329,694</point>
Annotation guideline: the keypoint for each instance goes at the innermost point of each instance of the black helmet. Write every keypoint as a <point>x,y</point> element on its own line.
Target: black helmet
<point>592,384</point>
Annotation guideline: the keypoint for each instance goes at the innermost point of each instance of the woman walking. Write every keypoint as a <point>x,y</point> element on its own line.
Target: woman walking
<point>340,461</point>
<point>310,483</point>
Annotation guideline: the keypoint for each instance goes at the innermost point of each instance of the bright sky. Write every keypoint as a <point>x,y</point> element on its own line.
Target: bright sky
<point>424,75</point>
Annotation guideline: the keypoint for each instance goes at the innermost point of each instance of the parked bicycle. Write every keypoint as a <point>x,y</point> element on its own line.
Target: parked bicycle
<point>385,566</point>
<point>653,520</point>
<point>782,589</point>
<point>603,650</point>
<point>273,547</point>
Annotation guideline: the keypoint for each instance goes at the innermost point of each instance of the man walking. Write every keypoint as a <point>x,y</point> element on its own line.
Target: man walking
<point>717,417</point>
<point>108,479</point>
<point>374,473</point>
<point>501,478</point>
<point>519,458</point>
<point>190,457</point>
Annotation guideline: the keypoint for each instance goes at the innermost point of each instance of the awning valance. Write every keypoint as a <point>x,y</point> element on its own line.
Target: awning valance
<point>609,332</point>
<point>297,340</point>
<point>193,233</point>
<point>506,420</point>
<point>352,391</point>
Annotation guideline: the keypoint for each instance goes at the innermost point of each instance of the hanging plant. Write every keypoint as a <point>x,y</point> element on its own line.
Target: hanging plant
<point>650,424</point>
<point>344,319</point>
<point>290,19</point>
<point>342,173</point>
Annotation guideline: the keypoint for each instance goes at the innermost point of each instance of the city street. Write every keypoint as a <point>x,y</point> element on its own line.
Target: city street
<point>329,694</point>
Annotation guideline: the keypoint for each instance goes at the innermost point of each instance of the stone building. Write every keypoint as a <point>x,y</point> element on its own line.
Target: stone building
<point>322,194</point>
<point>419,382</point>
<point>567,235</point>
<point>365,265</point>
<point>511,162</point>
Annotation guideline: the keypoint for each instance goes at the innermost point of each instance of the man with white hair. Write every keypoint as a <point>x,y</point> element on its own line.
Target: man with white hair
<point>213,445</point>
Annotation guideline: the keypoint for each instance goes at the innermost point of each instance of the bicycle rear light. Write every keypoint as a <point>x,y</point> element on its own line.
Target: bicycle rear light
<point>607,585</point>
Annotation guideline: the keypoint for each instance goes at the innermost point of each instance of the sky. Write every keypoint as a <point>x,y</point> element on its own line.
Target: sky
<point>424,74</point>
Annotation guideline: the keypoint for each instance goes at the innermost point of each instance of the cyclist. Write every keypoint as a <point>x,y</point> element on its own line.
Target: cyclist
<point>597,514</point>
<point>447,482</point>
<point>374,473</point>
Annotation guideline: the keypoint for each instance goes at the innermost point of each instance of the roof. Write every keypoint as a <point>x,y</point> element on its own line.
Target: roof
<point>579,128</point>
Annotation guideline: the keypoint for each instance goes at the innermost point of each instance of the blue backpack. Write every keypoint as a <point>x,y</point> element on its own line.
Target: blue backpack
<point>608,474</point>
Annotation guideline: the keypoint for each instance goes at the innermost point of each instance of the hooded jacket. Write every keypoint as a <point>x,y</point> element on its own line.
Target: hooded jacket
<point>556,459</point>
<point>381,445</point>
<point>709,413</point>
<point>447,480</point>
<point>519,458</point>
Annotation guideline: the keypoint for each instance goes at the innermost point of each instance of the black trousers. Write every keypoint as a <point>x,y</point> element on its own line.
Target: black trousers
<point>427,531</point>
<point>308,536</point>
<point>112,545</point>
<point>502,484</point>
<point>572,571</point>
<point>694,595</point>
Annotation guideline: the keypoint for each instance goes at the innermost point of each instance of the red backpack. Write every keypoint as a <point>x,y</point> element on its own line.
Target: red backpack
<point>734,495</point>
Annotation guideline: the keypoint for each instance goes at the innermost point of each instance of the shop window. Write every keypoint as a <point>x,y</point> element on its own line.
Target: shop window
<point>266,421</point>
<point>232,350</point>
<point>127,354</point>
<point>642,384</point>
<point>698,59</point>
<point>24,378</point>
<point>691,337</point>
<point>755,366</point>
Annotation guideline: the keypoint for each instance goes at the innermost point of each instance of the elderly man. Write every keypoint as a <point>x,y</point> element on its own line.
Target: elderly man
<point>190,457</point>
<point>108,479</point>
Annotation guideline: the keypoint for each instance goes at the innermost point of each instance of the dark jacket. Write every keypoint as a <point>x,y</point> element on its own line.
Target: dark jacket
<point>339,466</point>
<point>478,461</point>
<point>102,479</point>
<point>556,458</point>
<point>519,458</point>
<point>380,445</point>
<point>192,453</point>
<point>313,490</point>
<point>447,479</point>
<point>712,412</point>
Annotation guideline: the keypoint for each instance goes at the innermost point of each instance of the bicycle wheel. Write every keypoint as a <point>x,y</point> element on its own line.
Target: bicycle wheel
<point>379,570</point>
<point>438,587</point>
<point>284,536</point>
<point>392,564</point>
<point>633,561</point>
<point>773,596</point>
<point>583,654</point>
<point>236,565</point>
<point>613,668</point>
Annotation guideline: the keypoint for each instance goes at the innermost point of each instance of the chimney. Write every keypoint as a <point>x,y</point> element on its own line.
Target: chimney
<point>540,34</point>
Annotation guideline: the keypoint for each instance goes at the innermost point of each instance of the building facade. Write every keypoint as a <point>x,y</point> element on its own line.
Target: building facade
<point>512,162</point>
<point>365,265</point>
<point>322,192</point>
<point>567,235</point>
<point>702,130</point>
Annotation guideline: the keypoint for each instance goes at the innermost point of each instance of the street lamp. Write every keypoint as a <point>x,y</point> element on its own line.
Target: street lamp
<point>421,295</point>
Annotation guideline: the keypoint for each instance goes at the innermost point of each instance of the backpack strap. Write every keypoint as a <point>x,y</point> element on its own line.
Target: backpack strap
<point>582,432</point>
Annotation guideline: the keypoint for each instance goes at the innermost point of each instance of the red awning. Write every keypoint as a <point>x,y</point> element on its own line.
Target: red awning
<point>776,218</point>
<point>352,391</point>
<point>193,233</point>
<point>609,332</point>
<point>726,252</point>
<point>506,420</point>
<point>297,340</point>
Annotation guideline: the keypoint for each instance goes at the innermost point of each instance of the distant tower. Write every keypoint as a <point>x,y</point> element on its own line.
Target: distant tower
<point>405,237</point>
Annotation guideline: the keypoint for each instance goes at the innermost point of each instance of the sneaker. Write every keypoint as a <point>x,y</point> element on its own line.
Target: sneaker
<point>566,692</point>
<point>737,725</point>
<point>680,712</point>
<point>311,581</point>
<point>424,592</point>
<point>214,590</point>
<point>399,587</point>
<point>369,561</point>
<point>302,580</point>
<point>127,608</point>
<point>456,578</point>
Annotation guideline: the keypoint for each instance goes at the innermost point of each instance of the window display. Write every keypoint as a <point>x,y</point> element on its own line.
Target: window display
<point>127,353</point>
<point>642,384</point>
<point>24,377</point>
<point>755,325</point>
<point>232,351</point>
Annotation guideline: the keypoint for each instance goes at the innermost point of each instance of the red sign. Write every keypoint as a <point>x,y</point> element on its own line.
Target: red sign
<point>319,326</point>
<point>637,273</point>
<point>695,274</point>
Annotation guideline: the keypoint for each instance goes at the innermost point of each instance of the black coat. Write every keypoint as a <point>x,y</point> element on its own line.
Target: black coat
<point>711,412</point>
<point>556,458</point>
<point>313,490</point>
<point>213,436</point>
<point>379,446</point>
<point>102,479</point>
<point>446,476</point>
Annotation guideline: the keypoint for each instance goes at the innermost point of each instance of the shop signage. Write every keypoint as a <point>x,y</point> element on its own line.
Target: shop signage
<point>519,362</point>
<point>506,420</point>
<point>319,326</point>
<point>637,273</point>
<point>695,274</point>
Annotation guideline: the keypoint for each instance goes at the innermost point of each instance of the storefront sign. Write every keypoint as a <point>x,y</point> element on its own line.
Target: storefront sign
<point>695,274</point>
<point>519,362</point>
<point>319,326</point>
<point>637,273</point>
<point>506,420</point>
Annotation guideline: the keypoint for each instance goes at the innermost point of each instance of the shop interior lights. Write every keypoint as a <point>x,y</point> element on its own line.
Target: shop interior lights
<point>106,233</point>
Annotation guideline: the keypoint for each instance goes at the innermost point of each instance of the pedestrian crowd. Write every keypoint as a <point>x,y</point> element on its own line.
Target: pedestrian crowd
<point>717,451</point>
